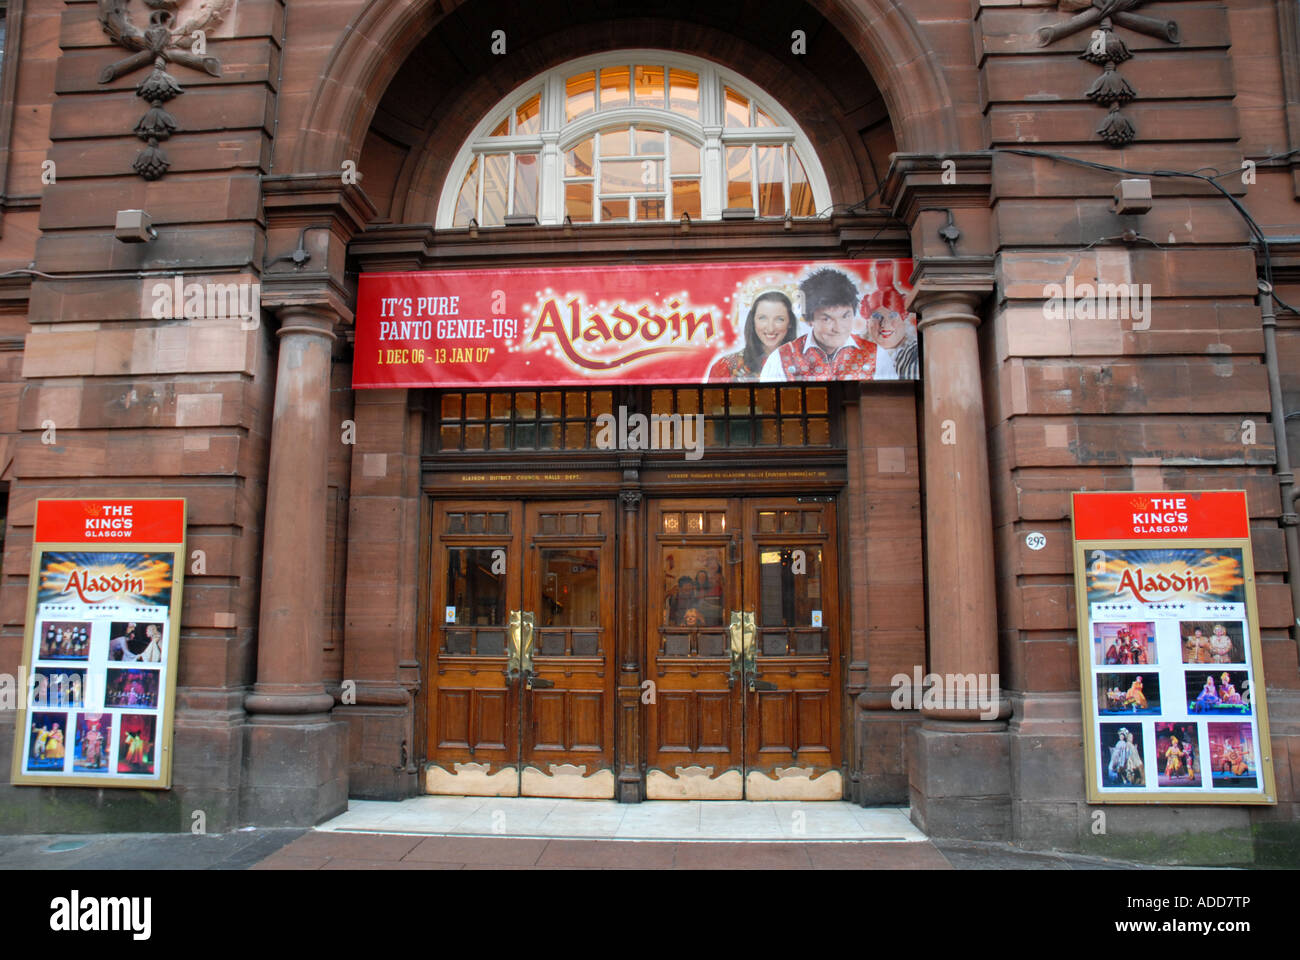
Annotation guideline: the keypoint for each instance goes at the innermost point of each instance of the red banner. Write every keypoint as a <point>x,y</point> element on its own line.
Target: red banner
<point>1214,515</point>
<point>110,521</point>
<point>682,323</point>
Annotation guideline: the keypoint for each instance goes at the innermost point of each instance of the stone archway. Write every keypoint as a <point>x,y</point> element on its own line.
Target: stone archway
<point>926,117</point>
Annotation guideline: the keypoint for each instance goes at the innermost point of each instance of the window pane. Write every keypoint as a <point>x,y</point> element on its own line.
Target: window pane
<point>615,143</point>
<point>761,119</point>
<point>686,198</point>
<point>467,201</point>
<point>649,143</point>
<point>788,598</point>
<point>685,156</point>
<point>737,109</point>
<point>577,162</point>
<point>649,86</point>
<point>577,202</point>
<point>528,118</point>
<point>771,181</point>
<point>570,587</point>
<point>580,95</point>
<point>801,197</point>
<point>650,209</point>
<point>496,168</point>
<point>476,594</point>
<point>632,176</point>
<point>695,583</point>
<point>501,129</point>
<point>738,177</point>
<point>614,88</point>
<point>526,168</point>
<point>614,211</point>
<point>684,93</point>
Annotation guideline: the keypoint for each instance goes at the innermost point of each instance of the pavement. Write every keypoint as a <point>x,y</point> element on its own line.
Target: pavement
<point>455,833</point>
<point>280,849</point>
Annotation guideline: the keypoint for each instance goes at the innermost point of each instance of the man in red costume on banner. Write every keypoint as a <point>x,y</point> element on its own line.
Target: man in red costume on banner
<point>830,351</point>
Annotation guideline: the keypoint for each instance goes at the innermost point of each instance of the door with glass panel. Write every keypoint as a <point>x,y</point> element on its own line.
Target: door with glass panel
<point>521,651</point>
<point>743,649</point>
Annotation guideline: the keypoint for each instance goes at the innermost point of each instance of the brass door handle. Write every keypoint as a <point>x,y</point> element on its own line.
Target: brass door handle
<point>519,644</point>
<point>736,647</point>
<point>514,626</point>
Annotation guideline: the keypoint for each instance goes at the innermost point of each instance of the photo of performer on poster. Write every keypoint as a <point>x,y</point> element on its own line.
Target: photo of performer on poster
<point>47,738</point>
<point>1232,755</point>
<point>1218,693</point>
<point>58,687</point>
<point>135,751</point>
<point>1178,755</point>
<point>64,640</point>
<point>1121,755</point>
<point>1124,644</point>
<point>1132,693</point>
<point>1218,642</point>
<point>94,740</point>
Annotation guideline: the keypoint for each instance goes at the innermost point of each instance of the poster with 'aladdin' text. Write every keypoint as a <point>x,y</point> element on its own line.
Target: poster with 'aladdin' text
<point>1173,689</point>
<point>663,323</point>
<point>101,644</point>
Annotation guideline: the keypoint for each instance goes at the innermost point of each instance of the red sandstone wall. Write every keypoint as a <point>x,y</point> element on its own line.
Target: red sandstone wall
<point>1102,405</point>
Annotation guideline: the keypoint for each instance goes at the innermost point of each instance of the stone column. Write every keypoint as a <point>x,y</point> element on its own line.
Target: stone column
<point>295,756</point>
<point>959,768</point>
<point>958,512</point>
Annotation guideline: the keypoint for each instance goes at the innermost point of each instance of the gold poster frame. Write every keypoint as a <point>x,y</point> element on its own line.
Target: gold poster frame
<point>166,716</point>
<point>1267,795</point>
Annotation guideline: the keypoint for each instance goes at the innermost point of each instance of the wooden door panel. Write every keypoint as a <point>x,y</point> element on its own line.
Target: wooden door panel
<point>452,718</point>
<point>548,721</point>
<point>695,741</point>
<point>713,722</point>
<point>673,722</point>
<point>792,731</point>
<point>814,719</point>
<point>586,721</point>
<point>775,731</point>
<point>491,713</point>
<point>473,709</point>
<point>567,732</point>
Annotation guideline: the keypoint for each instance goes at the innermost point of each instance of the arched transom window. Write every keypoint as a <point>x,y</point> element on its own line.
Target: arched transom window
<point>635,136</point>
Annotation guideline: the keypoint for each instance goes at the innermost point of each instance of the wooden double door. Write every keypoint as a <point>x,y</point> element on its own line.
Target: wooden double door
<point>738,646</point>
<point>742,647</point>
<point>522,662</point>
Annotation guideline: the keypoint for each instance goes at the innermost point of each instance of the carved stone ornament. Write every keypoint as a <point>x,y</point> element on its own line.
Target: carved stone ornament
<point>1108,50</point>
<point>158,44</point>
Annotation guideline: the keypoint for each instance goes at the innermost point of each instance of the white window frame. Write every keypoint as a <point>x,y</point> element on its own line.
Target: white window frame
<point>557,136</point>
